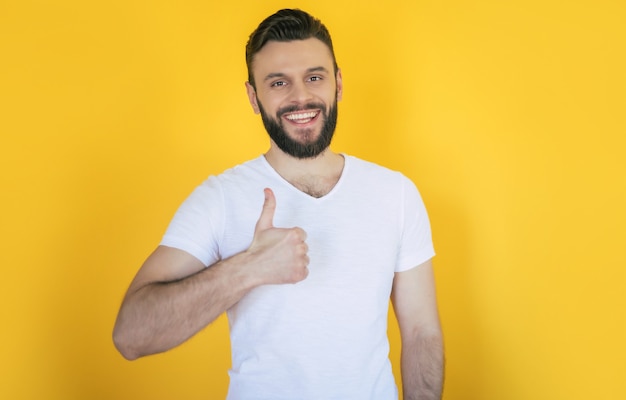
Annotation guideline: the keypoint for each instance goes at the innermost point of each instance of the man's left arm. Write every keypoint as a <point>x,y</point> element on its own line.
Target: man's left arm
<point>422,358</point>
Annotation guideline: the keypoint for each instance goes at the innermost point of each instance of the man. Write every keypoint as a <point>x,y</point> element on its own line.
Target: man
<point>305,272</point>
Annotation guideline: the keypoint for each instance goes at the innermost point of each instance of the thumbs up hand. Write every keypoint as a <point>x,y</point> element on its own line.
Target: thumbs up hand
<point>280,254</point>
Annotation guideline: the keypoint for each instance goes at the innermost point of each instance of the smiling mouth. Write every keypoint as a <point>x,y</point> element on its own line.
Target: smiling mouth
<point>302,117</point>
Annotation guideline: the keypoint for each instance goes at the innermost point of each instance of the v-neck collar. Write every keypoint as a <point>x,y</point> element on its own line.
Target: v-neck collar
<point>331,193</point>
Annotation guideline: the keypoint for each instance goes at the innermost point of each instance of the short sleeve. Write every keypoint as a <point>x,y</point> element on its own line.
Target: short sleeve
<point>416,245</point>
<point>198,225</point>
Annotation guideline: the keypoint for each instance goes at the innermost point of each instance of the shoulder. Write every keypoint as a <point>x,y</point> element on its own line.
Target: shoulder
<point>375,173</point>
<point>214,190</point>
<point>242,171</point>
<point>235,176</point>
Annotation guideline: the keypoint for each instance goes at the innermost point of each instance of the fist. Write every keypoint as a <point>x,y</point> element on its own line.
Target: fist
<point>280,254</point>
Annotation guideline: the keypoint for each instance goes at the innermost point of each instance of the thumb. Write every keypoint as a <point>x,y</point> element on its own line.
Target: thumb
<point>267,214</point>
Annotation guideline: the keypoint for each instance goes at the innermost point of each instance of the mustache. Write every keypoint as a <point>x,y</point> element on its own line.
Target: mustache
<point>295,107</point>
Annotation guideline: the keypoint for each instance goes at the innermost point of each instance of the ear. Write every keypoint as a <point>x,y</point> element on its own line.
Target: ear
<point>252,98</point>
<point>339,85</point>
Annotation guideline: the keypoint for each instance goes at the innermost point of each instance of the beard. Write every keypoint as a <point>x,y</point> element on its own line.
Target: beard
<point>309,146</point>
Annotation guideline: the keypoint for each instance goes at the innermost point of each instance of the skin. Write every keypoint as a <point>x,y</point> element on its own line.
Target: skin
<point>298,73</point>
<point>422,357</point>
<point>173,295</point>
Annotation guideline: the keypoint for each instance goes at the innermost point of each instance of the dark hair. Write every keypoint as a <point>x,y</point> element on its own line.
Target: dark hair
<point>284,26</point>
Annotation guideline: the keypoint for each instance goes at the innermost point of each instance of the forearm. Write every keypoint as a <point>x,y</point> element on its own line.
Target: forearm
<point>162,315</point>
<point>173,296</point>
<point>422,363</point>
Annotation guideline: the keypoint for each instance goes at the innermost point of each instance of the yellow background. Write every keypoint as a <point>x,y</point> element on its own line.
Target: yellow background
<point>509,116</point>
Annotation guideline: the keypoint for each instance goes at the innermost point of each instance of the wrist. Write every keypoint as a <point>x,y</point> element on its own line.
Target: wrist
<point>242,270</point>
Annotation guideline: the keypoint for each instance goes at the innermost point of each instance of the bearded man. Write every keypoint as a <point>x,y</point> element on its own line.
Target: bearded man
<point>302,247</point>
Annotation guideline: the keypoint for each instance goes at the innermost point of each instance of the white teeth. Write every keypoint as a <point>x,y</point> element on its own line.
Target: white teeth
<point>301,116</point>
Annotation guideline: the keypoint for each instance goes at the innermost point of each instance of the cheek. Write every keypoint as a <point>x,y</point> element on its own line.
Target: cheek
<point>270,103</point>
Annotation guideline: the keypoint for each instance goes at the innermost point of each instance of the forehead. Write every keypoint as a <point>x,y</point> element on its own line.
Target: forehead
<point>293,56</point>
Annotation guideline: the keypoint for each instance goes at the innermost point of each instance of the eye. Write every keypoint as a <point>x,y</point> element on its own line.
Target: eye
<point>315,78</point>
<point>279,84</point>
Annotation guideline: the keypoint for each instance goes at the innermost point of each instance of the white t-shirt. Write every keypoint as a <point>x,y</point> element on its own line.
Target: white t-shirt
<point>326,336</point>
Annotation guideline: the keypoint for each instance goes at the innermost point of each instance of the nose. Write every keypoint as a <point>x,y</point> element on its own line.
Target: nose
<point>300,93</point>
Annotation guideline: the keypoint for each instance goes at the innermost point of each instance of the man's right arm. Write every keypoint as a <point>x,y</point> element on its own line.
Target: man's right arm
<point>173,296</point>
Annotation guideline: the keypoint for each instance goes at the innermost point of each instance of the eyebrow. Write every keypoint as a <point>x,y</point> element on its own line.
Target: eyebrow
<point>282,75</point>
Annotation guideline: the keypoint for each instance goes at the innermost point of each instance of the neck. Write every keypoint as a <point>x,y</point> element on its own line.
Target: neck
<point>314,176</point>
